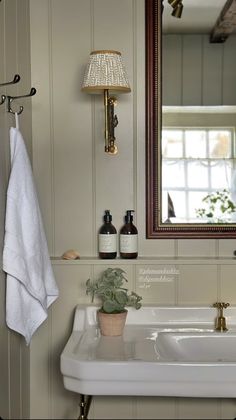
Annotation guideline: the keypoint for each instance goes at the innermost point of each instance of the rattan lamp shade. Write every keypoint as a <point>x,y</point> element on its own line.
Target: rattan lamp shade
<point>105,70</point>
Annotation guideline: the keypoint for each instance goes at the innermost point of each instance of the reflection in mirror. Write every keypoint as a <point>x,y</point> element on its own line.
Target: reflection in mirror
<point>191,166</point>
<point>198,165</point>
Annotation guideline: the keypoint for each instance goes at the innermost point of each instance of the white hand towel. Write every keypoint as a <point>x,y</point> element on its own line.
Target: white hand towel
<point>31,286</point>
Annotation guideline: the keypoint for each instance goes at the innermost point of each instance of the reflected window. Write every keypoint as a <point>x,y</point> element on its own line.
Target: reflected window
<point>196,162</point>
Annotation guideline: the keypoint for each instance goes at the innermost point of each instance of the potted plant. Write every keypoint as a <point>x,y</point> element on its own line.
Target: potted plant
<point>114,297</point>
<point>218,207</point>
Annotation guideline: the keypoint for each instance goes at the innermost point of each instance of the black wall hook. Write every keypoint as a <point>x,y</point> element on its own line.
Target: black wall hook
<point>10,99</point>
<point>3,99</point>
<point>15,80</point>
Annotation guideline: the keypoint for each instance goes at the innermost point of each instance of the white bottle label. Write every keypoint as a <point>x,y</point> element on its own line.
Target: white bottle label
<point>128,243</point>
<point>107,243</point>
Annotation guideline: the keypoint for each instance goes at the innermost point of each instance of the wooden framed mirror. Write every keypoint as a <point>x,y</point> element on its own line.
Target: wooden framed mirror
<point>169,214</point>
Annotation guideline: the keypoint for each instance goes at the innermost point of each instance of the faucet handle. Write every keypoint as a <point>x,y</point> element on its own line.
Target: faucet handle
<point>220,320</point>
<point>221,305</point>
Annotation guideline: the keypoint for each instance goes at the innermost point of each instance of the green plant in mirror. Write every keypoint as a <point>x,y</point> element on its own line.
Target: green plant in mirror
<point>109,288</point>
<point>218,206</point>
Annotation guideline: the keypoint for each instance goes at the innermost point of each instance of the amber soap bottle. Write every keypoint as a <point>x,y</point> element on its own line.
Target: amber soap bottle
<point>107,238</point>
<point>129,237</point>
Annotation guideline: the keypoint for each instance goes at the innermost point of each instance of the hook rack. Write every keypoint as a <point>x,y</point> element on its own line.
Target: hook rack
<point>15,80</point>
<point>12,98</point>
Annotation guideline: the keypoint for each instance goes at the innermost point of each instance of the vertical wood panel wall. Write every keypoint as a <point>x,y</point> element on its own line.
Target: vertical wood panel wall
<point>4,358</point>
<point>77,181</point>
<point>15,58</point>
<point>196,72</point>
<point>198,282</point>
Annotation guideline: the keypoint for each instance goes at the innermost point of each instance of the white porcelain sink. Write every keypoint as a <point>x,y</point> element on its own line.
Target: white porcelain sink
<point>164,351</point>
<point>197,346</point>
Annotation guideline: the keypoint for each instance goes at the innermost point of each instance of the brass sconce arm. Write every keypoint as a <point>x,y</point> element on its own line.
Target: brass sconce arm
<point>111,121</point>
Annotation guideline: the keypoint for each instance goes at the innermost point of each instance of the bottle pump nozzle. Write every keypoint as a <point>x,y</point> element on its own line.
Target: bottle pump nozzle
<point>129,216</point>
<point>107,216</point>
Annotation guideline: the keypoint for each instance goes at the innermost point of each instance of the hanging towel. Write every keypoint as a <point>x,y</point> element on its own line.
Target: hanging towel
<point>31,286</point>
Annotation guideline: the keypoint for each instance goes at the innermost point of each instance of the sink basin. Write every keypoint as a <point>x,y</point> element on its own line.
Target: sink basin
<point>164,351</point>
<point>197,346</point>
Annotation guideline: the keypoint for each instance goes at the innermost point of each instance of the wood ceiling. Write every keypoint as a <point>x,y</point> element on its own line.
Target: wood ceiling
<point>226,22</point>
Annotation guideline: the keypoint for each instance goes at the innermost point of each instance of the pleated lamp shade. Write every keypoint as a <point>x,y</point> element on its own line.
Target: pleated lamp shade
<point>105,70</point>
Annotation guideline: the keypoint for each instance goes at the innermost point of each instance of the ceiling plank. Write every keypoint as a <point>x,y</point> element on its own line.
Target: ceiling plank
<point>225,24</point>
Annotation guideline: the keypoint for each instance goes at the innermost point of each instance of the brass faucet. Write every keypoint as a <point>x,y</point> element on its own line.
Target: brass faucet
<point>220,320</point>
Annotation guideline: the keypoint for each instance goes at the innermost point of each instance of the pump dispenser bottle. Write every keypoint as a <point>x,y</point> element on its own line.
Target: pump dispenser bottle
<point>129,237</point>
<point>107,238</point>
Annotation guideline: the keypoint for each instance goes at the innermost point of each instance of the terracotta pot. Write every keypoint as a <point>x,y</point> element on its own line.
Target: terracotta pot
<point>112,324</point>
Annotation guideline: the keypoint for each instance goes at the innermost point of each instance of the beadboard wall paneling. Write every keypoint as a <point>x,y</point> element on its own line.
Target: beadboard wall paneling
<point>160,281</point>
<point>4,358</point>
<point>15,58</point>
<point>202,73</point>
<point>213,58</point>
<point>191,70</point>
<point>24,69</point>
<point>65,139</point>
<point>72,139</point>
<point>114,181</point>
<point>42,122</point>
<point>77,181</point>
<point>229,61</point>
<point>171,77</point>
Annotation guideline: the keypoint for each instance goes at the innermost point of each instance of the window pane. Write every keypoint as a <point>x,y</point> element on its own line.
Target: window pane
<point>219,143</point>
<point>173,174</point>
<point>198,174</point>
<point>221,175</point>
<point>195,143</point>
<point>172,143</point>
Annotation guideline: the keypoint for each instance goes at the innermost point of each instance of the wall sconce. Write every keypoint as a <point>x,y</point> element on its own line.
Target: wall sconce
<point>105,71</point>
<point>177,8</point>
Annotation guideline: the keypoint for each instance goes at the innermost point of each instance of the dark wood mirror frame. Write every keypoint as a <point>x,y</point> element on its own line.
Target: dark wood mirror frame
<point>154,228</point>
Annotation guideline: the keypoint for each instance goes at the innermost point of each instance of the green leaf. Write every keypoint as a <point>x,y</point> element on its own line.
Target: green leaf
<point>110,306</point>
<point>121,297</point>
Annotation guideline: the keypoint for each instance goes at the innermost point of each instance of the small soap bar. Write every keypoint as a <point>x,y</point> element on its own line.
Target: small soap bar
<point>71,254</point>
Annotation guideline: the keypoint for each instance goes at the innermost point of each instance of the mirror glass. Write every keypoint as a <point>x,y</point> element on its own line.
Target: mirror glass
<point>190,121</point>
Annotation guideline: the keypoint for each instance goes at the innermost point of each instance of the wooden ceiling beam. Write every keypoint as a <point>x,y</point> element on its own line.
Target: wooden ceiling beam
<point>225,24</point>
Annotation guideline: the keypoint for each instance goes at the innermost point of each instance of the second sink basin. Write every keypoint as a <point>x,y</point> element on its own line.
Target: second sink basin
<point>196,346</point>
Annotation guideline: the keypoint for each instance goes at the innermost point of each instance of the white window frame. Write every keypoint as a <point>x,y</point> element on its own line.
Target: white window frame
<point>199,118</point>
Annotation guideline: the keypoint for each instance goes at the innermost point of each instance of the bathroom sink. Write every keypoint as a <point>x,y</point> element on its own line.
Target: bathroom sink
<point>197,346</point>
<point>164,351</point>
